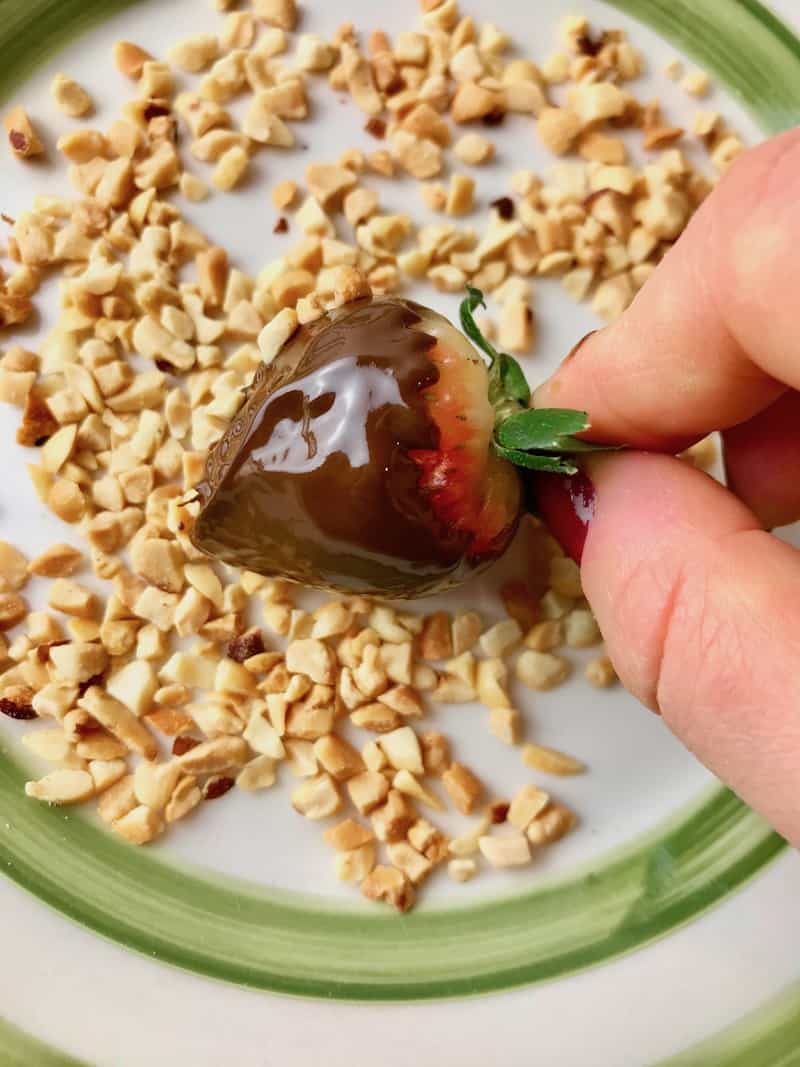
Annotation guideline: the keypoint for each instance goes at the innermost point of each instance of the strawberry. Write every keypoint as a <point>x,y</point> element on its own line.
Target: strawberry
<point>469,487</point>
<point>377,454</point>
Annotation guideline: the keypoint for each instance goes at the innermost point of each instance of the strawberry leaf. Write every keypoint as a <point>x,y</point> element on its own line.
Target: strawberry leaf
<point>536,462</point>
<point>543,429</point>
<point>536,439</point>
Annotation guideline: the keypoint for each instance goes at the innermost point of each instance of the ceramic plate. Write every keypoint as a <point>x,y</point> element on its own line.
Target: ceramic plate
<point>663,931</point>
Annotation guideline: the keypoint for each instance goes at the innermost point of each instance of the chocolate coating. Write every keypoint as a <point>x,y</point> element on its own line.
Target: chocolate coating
<point>312,481</point>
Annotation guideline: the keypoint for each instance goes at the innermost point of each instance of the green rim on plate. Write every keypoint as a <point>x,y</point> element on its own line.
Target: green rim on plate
<point>767,1037</point>
<point>279,941</point>
<point>302,945</point>
<point>18,1049</point>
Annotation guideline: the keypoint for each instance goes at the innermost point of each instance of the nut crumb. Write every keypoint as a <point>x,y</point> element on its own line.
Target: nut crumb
<point>22,137</point>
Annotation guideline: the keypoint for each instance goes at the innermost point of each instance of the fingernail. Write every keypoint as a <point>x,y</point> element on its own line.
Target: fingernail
<point>566,505</point>
<point>574,350</point>
<point>543,395</point>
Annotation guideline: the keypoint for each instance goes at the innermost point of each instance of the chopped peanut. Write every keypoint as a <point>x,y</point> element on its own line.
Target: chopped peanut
<point>317,798</point>
<point>463,787</point>
<point>435,752</point>
<point>284,195</point>
<point>390,885</point>
<point>354,866</point>
<point>507,851</point>
<point>558,129</point>
<point>14,567</point>
<point>541,670</point>
<point>367,791</point>
<point>139,826</point>
<point>70,97</point>
<point>130,58</point>
<point>195,53</point>
<point>462,870</point>
<point>72,598</point>
<point>22,137</point>
<point>600,673</point>
<point>348,835</point>
<point>551,825</point>
<point>280,13</point>
<point>474,149</point>
<point>551,761</point>
<point>504,723</point>
<point>696,83</point>
<point>62,787</point>
<point>526,805</point>
<point>231,168</point>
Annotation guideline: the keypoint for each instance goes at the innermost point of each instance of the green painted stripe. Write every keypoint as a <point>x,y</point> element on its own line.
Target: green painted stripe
<point>742,43</point>
<point>768,1037</point>
<point>31,31</point>
<point>301,945</point>
<point>278,941</point>
<point>18,1049</point>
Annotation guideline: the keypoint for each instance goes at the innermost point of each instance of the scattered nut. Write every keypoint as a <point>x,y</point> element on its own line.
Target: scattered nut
<point>70,97</point>
<point>14,567</point>
<point>317,798</point>
<point>510,850</point>
<point>600,673</point>
<point>13,609</point>
<point>130,58</point>
<point>474,149</point>
<point>696,83</point>
<point>553,823</point>
<point>558,129</point>
<point>526,805</point>
<point>62,787</point>
<point>22,137</point>
<point>551,761</point>
<point>462,870</point>
<point>195,53</point>
<point>231,168</point>
<point>463,787</point>
<point>280,13</point>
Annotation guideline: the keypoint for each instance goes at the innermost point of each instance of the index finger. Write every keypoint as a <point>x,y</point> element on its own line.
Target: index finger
<point>712,339</point>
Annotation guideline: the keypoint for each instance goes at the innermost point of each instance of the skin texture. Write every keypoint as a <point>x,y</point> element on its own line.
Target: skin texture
<point>700,605</point>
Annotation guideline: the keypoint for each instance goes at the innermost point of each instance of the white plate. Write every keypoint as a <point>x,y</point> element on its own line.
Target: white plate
<point>101,1002</point>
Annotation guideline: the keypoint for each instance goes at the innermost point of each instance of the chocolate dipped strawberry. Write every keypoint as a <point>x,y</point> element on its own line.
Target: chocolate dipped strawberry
<point>378,453</point>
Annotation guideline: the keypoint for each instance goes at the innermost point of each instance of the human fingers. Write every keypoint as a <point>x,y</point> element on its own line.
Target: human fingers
<point>711,340</point>
<point>700,609</point>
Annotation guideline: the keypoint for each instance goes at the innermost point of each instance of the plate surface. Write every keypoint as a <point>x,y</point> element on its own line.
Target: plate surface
<point>245,893</point>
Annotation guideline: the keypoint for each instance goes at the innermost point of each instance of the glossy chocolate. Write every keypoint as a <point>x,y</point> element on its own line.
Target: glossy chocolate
<point>313,481</point>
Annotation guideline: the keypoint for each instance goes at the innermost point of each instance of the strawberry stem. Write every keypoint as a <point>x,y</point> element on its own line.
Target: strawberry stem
<point>509,391</point>
<point>536,439</point>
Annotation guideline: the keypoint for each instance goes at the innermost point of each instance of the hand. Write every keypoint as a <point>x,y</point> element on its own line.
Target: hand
<point>699,604</point>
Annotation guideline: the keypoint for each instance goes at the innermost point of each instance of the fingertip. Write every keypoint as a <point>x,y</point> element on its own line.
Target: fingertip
<point>546,394</point>
<point>555,390</point>
<point>655,519</point>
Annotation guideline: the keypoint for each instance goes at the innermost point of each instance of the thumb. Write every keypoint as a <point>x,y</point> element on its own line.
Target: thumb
<point>701,612</point>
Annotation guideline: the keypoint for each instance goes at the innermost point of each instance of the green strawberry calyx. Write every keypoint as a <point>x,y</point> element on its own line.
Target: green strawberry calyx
<point>541,439</point>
